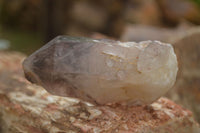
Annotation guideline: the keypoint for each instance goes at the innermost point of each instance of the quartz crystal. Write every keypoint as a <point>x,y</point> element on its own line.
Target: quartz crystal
<point>103,71</point>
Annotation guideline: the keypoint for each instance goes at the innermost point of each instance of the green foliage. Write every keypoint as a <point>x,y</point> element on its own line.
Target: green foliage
<point>23,41</point>
<point>197,2</point>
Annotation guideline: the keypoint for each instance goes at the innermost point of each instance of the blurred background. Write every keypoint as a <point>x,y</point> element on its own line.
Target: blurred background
<point>26,25</point>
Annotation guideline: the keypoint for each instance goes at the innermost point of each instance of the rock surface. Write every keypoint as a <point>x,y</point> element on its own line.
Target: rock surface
<point>104,71</point>
<point>187,88</point>
<point>139,32</point>
<point>29,108</point>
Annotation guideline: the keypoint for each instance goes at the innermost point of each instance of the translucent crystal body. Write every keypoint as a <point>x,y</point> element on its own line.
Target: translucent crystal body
<point>103,71</point>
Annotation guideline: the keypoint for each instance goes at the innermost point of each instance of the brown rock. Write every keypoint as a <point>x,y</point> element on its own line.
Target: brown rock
<point>143,12</point>
<point>89,15</point>
<point>187,88</point>
<point>143,32</point>
<point>139,33</point>
<point>175,10</point>
<point>28,108</point>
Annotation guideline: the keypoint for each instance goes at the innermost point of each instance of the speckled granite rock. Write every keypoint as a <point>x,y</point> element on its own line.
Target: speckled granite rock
<point>27,108</point>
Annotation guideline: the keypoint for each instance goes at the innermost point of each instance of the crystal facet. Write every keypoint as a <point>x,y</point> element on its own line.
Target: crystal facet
<point>103,71</point>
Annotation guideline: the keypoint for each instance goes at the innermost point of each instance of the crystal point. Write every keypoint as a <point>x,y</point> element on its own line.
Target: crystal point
<point>103,71</point>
